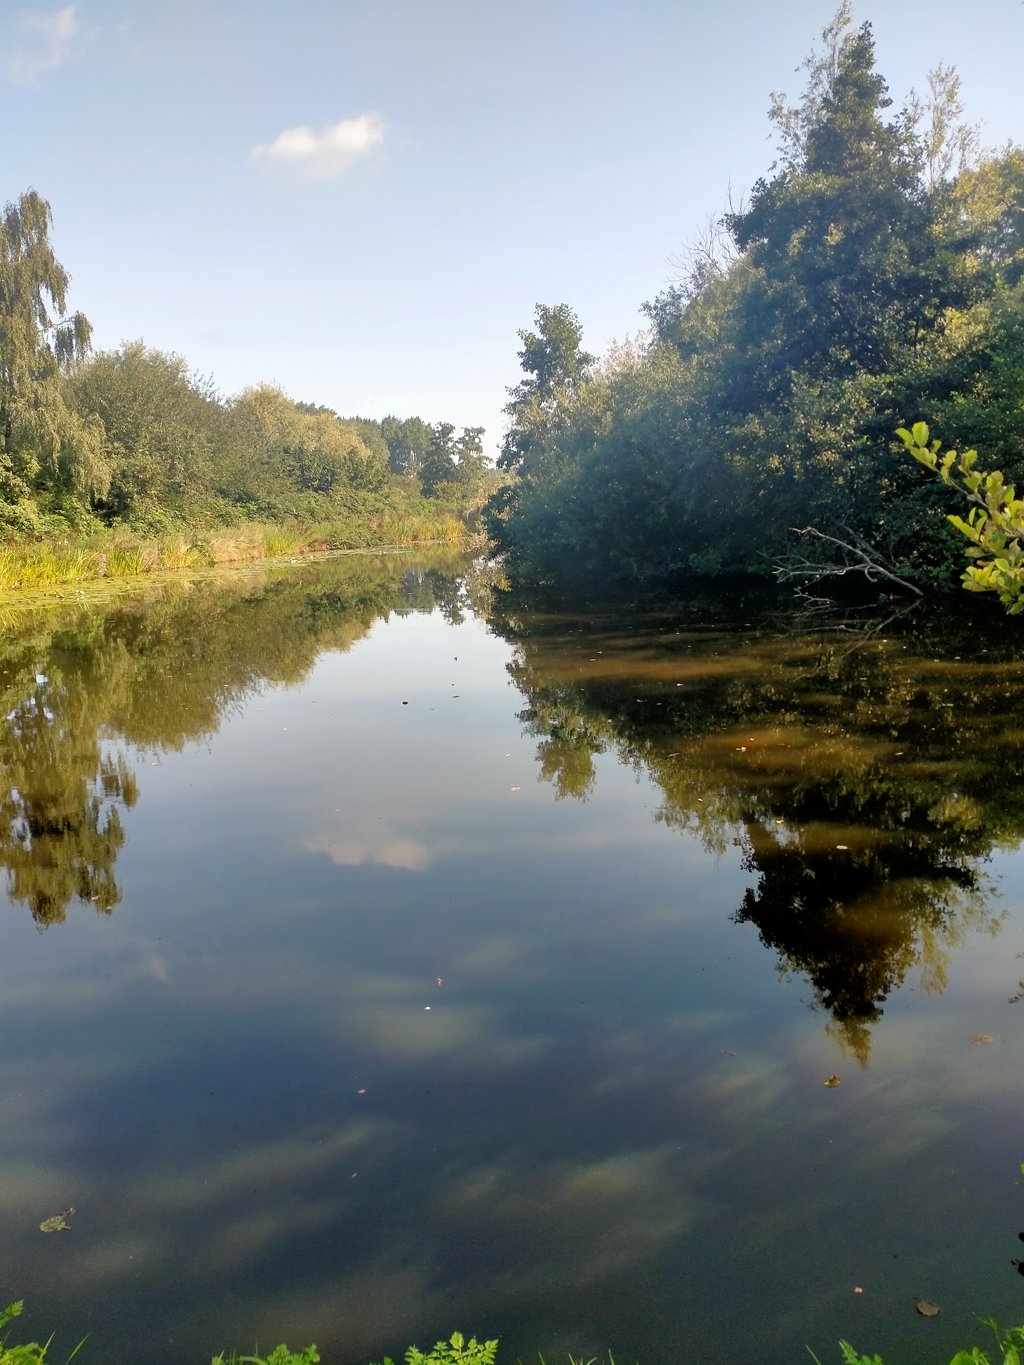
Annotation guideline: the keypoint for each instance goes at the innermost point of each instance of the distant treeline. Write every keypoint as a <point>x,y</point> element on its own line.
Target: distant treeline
<point>133,437</point>
<point>874,278</point>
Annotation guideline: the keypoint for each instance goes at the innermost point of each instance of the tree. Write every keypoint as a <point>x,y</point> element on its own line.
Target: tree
<point>286,452</point>
<point>554,365</point>
<point>438,465</point>
<point>470,460</point>
<point>41,439</point>
<point>408,440</point>
<point>839,235</point>
<point>162,425</point>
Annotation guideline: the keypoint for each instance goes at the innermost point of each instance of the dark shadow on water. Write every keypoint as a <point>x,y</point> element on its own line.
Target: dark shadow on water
<point>866,765</point>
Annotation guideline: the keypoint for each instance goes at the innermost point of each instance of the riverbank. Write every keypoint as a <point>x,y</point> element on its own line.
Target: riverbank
<point>33,564</point>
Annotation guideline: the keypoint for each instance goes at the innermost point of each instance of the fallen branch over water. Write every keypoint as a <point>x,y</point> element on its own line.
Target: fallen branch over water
<point>857,556</point>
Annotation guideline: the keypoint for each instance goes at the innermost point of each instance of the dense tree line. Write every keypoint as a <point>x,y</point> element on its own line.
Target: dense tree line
<point>875,277</point>
<point>133,436</point>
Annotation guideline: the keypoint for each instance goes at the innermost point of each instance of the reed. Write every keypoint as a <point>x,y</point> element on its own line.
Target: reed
<point>28,565</point>
<point>179,553</point>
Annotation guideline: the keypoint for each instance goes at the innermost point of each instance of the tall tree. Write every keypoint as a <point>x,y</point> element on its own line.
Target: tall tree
<point>838,237</point>
<point>859,284</point>
<point>408,440</point>
<point>438,465</point>
<point>162,426</point>
<point>554,365</point>
<point>40,436</point>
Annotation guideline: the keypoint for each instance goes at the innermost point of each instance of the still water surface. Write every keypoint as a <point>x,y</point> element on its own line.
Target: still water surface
<point>374,966</point>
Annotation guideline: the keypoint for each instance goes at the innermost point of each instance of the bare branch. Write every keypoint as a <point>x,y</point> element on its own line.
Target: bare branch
<point>857,556</point>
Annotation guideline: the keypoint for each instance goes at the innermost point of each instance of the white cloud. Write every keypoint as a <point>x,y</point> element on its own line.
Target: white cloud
<point>328,151</point>
<point>46,41</point>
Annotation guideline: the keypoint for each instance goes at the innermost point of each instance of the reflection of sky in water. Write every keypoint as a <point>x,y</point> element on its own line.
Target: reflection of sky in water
<point>606,1127</point>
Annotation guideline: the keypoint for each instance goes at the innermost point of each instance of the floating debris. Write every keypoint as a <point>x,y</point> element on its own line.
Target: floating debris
<point>58,1223</point>
<point>832,1082</point>
<point>979,1038</point>
<point>927,1309</point>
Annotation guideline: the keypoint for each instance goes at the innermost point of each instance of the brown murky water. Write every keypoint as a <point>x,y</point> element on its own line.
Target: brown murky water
<point>373,966</point>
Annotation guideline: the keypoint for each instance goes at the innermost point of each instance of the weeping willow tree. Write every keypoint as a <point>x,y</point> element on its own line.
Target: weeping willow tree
<point>45,446</point>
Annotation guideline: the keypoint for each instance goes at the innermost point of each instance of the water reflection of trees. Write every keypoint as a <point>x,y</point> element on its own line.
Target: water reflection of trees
<point>82,686</point>
<point>866,777</point>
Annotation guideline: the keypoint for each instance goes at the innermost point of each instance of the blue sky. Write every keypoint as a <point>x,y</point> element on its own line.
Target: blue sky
<point>363,200</point>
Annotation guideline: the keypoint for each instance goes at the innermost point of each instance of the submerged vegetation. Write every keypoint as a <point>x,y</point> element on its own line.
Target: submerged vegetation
<point>874,277</point>
<point>866,771</point>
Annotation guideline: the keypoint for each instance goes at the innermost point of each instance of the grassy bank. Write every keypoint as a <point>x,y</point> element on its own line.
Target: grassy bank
<point>30,563</point>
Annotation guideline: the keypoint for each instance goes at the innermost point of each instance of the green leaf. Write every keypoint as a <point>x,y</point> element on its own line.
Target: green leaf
<point>14,1310</point>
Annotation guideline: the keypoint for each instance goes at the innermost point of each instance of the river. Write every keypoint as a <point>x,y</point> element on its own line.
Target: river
<point>379,959</point>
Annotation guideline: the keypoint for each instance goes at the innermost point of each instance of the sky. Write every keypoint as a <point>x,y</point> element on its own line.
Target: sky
<point>362,201</point>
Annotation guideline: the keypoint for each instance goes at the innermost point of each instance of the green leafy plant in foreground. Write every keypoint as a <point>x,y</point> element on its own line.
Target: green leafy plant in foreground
<point>455,1351</point>
<point>29,1353</point>
<point>1009,1348</point>
<point>280,1355</point>
<point>994,525</point>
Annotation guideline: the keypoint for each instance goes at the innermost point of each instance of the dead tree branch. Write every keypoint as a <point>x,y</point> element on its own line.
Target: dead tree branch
<point>856,556</point>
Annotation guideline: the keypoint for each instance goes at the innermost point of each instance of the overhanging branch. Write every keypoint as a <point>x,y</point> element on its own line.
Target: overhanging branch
<point>856,556</point>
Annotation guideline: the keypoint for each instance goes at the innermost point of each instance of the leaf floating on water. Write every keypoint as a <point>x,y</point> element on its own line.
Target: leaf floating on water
<point>978,1038</point>
<point>832,1082</point>
<point>58,1223</point>
<point>927,1309</point>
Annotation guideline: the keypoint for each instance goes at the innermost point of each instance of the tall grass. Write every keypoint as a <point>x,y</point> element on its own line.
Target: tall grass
<point>29,565</point>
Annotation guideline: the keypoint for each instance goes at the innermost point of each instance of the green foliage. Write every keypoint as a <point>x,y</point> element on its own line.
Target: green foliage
<point>280,1355</point>
<point>161,427</point>
<point>554,366</point>
<point>133,438</point>
<point>853,1357</point>
<point>455,1351</point>
<point>1009,1349</point>
<point>44,444</point>
<point>30,1353</point>
<point>878,268</point>
<point>994,525</point>
<point>408,441</point>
